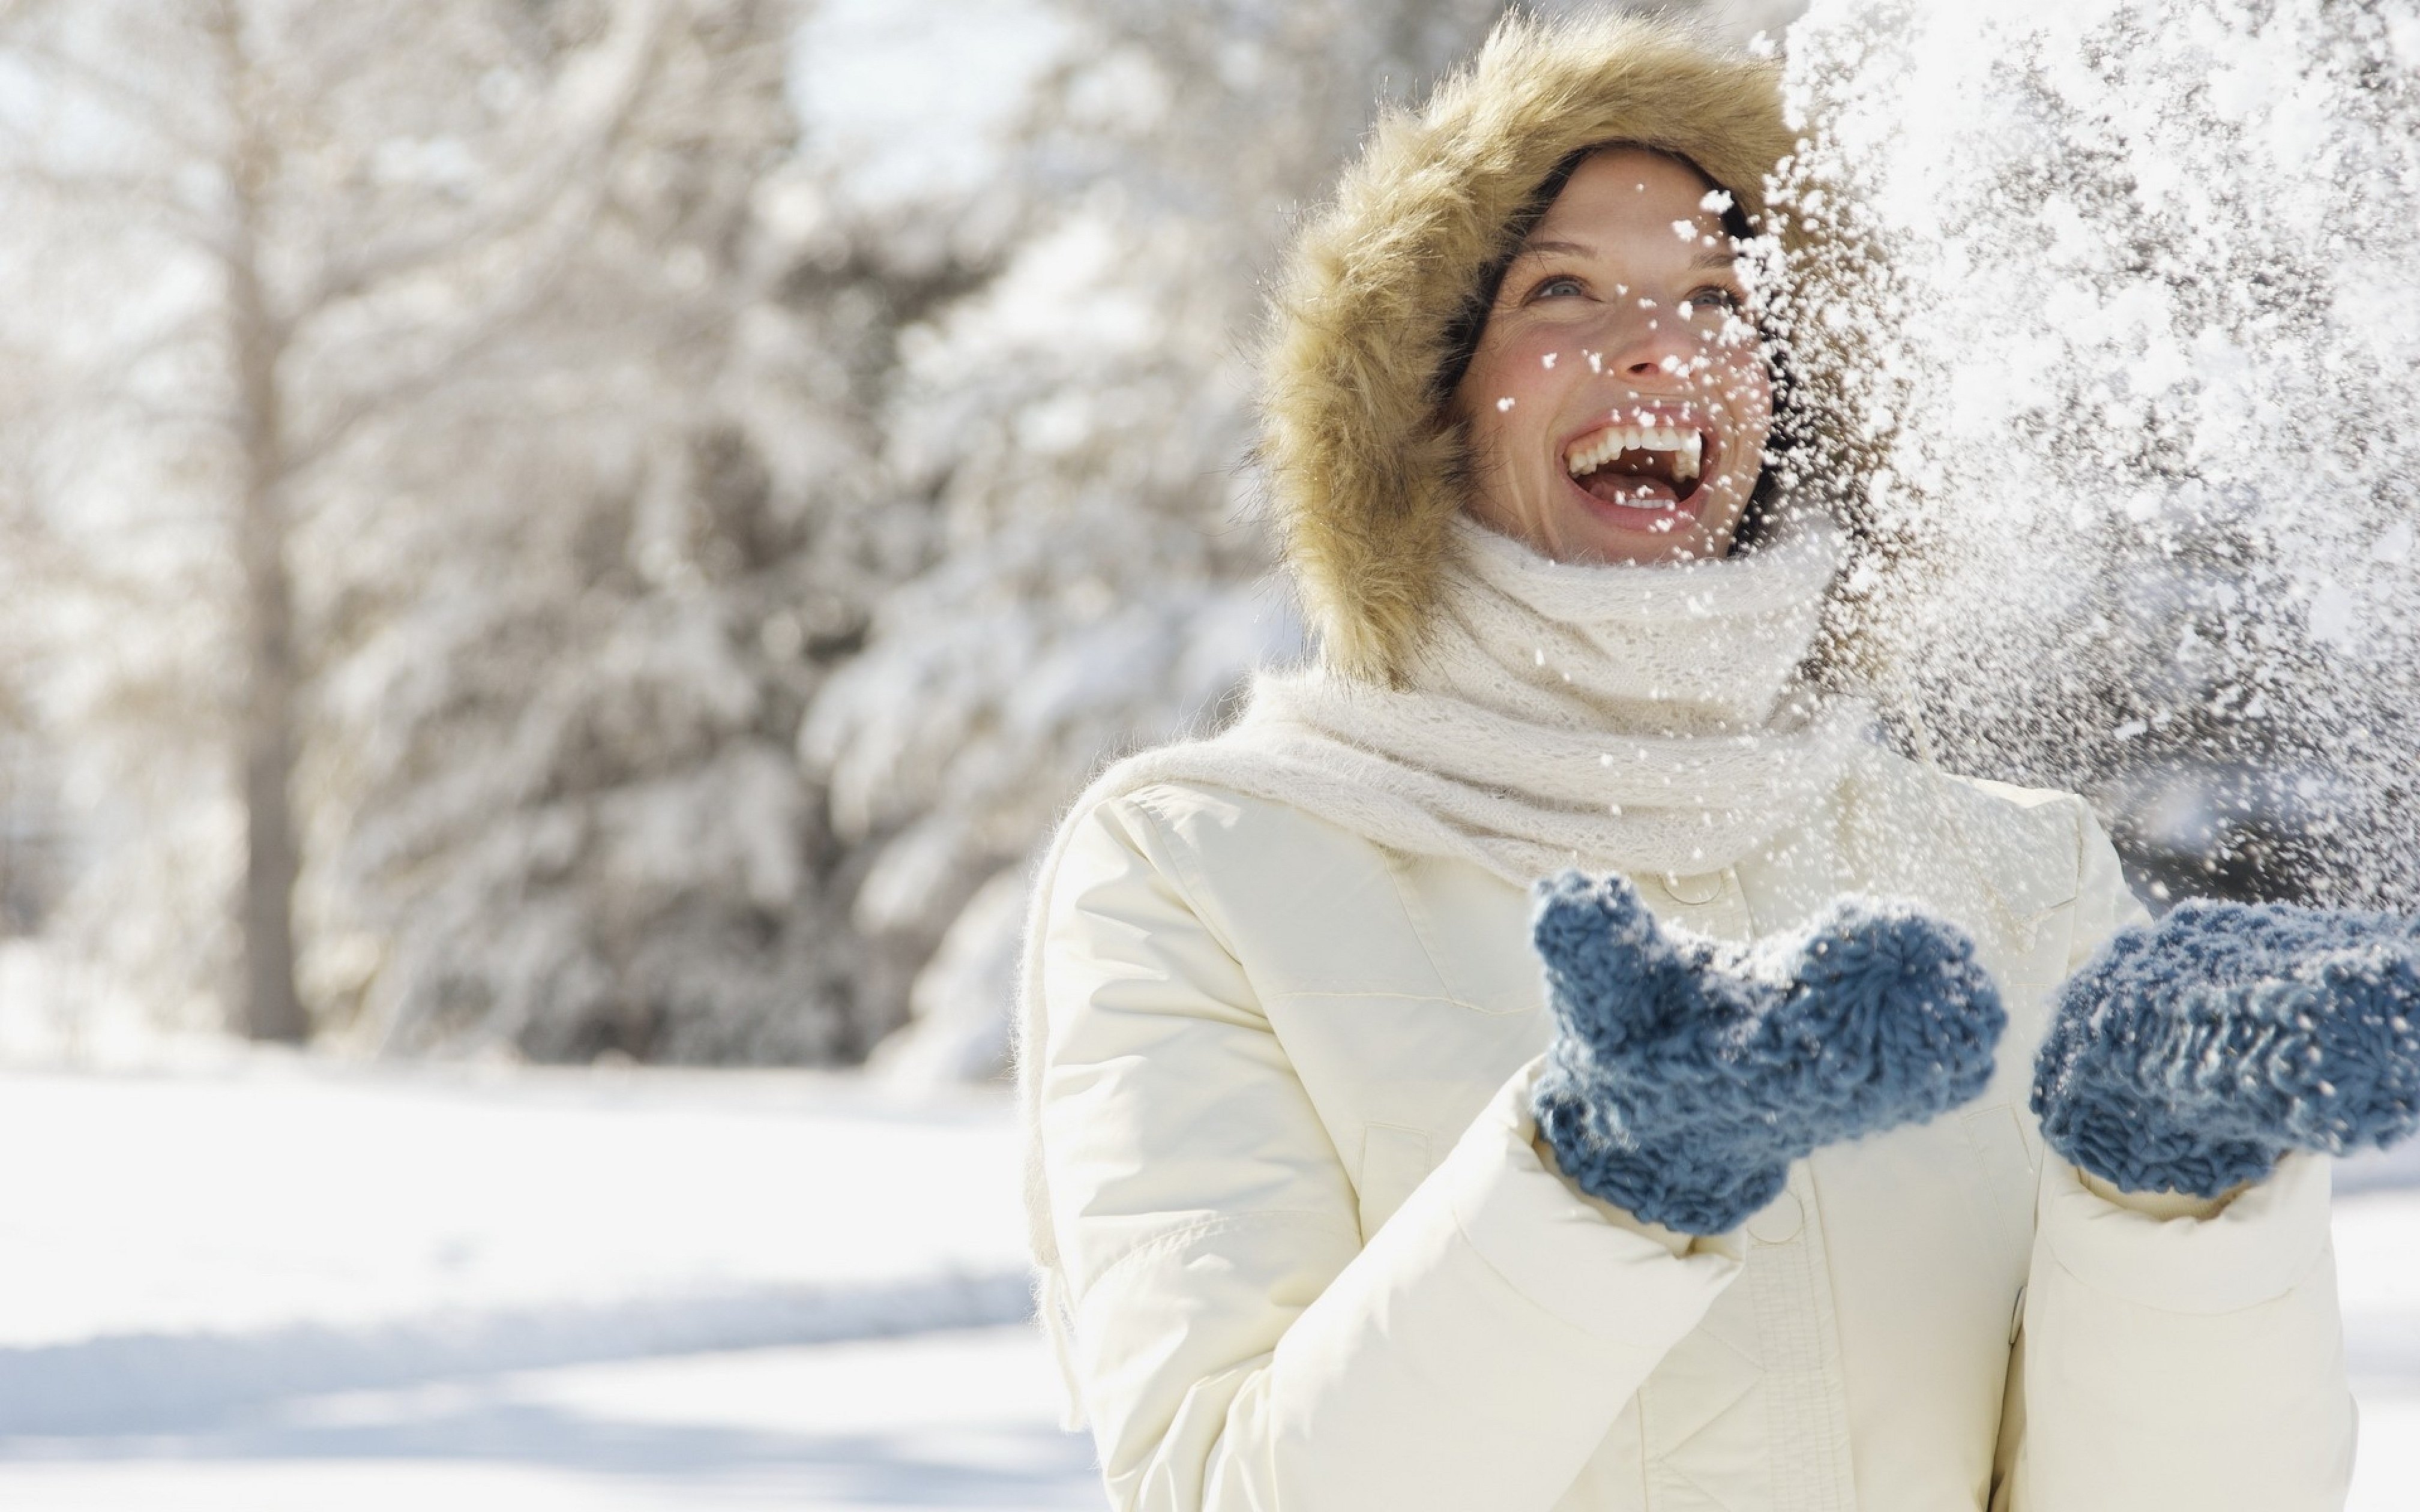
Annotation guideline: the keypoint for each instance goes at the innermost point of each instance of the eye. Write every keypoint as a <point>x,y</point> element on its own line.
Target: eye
<point>1557,286</point>
<point>1715,297</point>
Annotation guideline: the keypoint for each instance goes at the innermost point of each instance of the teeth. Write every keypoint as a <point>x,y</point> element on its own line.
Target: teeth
<point>1610,442</point>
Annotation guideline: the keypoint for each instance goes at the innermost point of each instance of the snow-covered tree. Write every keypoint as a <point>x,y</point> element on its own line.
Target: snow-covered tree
<point>554,804</point>
<point>402,484</point>
<point>1080,427</point>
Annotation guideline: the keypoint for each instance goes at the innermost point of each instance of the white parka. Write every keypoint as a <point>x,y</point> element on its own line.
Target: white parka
<point>1317,1261</point>
<point>1277,1075</point>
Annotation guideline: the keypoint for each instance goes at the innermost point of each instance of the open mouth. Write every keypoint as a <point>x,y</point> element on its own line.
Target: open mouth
<point>1641,467</point>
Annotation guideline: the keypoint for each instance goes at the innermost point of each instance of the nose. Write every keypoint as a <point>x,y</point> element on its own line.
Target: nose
<point>1647,342</point>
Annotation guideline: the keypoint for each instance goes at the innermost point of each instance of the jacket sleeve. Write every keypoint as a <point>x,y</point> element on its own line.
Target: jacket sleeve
<point>1237,1345</point>
<point>2175,1352</point>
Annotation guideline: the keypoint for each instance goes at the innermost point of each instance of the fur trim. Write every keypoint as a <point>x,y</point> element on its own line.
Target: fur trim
<point>1685,1076</point>
<point>1366,472</point>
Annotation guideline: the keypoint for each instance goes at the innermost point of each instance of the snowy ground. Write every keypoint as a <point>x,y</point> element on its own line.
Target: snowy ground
<point>277,1285</point>
<point>282,1285</point>
<point>943,1420</point>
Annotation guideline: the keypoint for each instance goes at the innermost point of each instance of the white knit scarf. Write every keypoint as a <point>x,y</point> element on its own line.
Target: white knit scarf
<point>1640,718</point>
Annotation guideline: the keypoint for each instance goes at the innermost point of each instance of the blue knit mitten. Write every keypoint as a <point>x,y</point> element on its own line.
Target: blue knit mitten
<point>1687,1075</point>
<point>2188,1055</point>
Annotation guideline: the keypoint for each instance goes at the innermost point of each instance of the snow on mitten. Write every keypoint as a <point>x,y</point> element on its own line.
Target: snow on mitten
<point>2188,1055</point>
<point>1685,1075</point>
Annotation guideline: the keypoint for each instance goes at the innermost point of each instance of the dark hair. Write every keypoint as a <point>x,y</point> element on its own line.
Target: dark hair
<point>1462,334</point>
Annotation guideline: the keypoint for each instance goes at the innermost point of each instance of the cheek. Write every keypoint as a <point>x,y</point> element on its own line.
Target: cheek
<point>1514,387</point>
<point>1527,368</point>
<point>1747,389</point>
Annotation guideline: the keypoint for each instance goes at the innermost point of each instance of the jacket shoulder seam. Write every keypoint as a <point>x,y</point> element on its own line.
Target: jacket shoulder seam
<point>2079,815</point>
<point>1172,858</point>
<point>1417,918</point>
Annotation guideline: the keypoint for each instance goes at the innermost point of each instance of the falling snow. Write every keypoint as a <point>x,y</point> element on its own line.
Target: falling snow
<point>2111,335</point>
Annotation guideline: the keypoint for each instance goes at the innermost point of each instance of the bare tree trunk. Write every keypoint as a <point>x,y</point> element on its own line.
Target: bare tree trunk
<point>272,1009</point>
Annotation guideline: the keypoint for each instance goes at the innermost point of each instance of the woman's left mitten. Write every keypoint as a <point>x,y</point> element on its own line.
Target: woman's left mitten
<point>2189,1055</point>
<point>1687,1075</point>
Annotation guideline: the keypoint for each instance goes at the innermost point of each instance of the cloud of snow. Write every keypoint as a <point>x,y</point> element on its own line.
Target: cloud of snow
<point>2112,301</point>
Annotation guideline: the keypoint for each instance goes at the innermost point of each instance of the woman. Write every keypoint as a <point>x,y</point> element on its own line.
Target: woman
<point>1300,1239</point>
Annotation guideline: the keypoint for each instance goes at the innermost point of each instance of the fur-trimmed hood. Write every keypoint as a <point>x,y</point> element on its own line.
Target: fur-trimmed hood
<point>1366,472</point>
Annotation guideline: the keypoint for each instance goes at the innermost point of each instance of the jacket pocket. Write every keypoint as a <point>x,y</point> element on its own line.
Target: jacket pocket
<point>1394,1160</point>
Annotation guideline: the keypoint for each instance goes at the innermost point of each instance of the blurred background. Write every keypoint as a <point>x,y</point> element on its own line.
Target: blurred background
<point>557,559</point>
<point>564,529</point>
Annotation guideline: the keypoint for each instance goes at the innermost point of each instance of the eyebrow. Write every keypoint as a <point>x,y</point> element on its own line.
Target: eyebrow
<point>1575,249</point>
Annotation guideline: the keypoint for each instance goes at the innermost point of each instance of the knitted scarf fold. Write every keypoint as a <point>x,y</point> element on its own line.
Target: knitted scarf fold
<point>1636,718</point>
<point>1640,718</point>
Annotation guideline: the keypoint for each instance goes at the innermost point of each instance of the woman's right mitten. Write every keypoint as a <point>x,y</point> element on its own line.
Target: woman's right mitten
<point>1685,1075</point>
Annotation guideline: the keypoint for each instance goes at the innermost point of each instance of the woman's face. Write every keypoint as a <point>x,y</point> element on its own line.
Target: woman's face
<point>1618,400</point>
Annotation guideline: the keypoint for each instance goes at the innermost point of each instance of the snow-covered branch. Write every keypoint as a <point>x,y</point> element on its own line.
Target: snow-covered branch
<point>571,133</point>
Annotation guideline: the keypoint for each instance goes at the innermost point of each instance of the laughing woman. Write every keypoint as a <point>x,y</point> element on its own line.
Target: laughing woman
<point>1365,1172</point>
